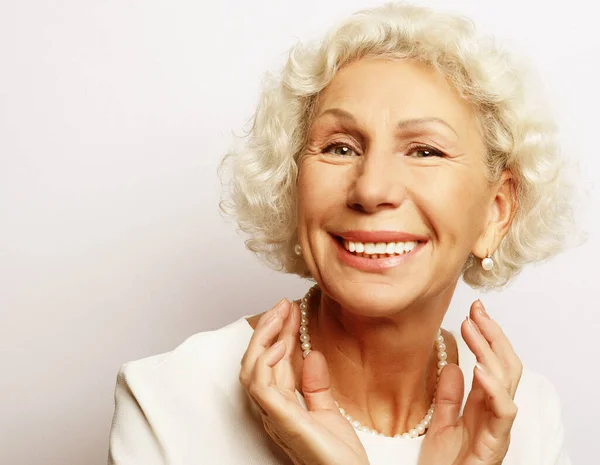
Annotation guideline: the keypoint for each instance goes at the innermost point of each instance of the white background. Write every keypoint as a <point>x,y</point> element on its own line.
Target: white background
<point>113,118</point>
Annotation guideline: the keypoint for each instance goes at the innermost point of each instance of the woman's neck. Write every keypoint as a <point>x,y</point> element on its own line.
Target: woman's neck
<point>383,371</point>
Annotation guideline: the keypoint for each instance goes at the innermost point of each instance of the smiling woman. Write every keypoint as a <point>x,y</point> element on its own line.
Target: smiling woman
<point>385,163</point>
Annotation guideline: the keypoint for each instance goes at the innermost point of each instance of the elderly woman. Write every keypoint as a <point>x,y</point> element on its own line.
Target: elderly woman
<point>402,153</point>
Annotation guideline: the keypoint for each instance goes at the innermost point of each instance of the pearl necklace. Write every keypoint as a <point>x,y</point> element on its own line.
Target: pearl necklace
<point>421,428</point>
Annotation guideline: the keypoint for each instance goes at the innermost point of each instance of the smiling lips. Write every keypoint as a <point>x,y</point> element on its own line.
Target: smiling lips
<point>379,244</point>
<point>379,249</point>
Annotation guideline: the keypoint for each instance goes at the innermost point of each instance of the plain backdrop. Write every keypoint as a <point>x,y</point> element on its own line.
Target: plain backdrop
<point>113,118</point>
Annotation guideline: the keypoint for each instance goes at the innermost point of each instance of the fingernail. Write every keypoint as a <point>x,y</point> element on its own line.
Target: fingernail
<point>280,303</point>
<point>481,310</point>
<point>472,324</point>
<point>275,311</point>
<point>277,345</point>
<point>271,317</point>
<point>480,367</point>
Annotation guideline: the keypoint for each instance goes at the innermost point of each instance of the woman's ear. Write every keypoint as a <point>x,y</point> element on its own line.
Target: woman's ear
<point>501,213</point>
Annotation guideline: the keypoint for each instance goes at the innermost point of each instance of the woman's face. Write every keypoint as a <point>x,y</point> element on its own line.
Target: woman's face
<point>392,191</point>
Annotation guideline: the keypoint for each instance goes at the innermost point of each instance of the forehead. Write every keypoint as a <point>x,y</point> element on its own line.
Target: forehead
<point>378,89</point>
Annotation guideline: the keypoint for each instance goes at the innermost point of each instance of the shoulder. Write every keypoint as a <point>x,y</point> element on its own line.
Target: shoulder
<point>538,398</point>
<point>166,404</point>
<point>538,432</point>
<point>208,355</point>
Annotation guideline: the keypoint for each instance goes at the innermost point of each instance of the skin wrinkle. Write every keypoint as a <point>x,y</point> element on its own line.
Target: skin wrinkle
<point>445,199</point>
<point>376,329</point>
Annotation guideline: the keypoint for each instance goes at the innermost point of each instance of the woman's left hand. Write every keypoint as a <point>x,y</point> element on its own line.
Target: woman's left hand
<point>480,436</point>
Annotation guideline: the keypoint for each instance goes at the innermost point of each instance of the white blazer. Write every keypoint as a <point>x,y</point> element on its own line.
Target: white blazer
<point>187,407</point>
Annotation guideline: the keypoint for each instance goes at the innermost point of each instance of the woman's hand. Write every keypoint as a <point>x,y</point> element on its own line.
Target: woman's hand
<point>481,436</point>
<point>319,436</point>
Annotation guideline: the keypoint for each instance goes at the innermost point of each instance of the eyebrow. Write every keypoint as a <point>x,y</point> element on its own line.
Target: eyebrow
<point>404,124</point>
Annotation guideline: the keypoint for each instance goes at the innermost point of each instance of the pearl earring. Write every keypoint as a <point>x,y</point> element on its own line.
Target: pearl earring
<point>298,249</point>
<point>487,263</point>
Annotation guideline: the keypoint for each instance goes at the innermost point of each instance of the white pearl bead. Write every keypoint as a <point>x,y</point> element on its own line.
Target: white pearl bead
<point>303,321</point>
<point>306,338</point>
<point>428,417</point>
<point>349,418</point>
<point>303,305</point>
<point>413,433</point>
<point>305,353</point>
<point>442,356</point>
<point>405,436</point>
<point>303,330</point>
<point>487,264</point>
<point>441,347</point>
<point>442,363</point>
<point>342,411</point>
<point>426,423</point>
<point>305,346</point>
<point>420,429</point>
<point>439,340</point>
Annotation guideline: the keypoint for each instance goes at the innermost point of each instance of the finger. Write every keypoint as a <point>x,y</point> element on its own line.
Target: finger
<point>316,385</point>
<point>448,398</point>
<point>263,370</point>
<point>262,376</point>
<point>479,345</point>
<point>267,329</point>
<point>499,343</point>
<point>503,408</point>
<point>284,371</point>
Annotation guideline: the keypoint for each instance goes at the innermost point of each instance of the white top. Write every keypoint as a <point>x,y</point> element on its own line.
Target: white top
<point>187,407</point>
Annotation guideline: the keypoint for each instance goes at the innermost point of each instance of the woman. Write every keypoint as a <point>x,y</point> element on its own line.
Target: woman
<point>402,153</point>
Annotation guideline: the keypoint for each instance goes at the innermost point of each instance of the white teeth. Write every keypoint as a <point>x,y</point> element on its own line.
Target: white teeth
<point>380,248</point>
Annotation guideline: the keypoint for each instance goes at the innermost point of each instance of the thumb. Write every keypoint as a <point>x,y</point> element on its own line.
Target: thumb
<point>448,398</point>
<point>316,385</point>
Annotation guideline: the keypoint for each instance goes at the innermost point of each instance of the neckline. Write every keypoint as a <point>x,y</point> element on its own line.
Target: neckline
<point>466,362</point>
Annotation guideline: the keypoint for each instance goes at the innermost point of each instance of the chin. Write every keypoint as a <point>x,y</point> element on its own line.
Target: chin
<point>372,299</point>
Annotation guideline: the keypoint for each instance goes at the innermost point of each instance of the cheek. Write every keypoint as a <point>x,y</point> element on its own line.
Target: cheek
<point>453,202</point>
<point>321,188</point>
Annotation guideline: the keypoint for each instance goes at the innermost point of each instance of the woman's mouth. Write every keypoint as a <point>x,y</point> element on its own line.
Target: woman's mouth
<point>378,249</point>
<point>376,256</point>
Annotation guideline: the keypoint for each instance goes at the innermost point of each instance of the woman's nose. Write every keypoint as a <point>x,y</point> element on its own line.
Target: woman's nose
<point>378,185</point>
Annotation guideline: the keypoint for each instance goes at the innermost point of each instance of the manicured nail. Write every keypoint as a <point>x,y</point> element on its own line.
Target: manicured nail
<point>481,310</point>
<point>277,346</point>
<point>280,303</point>
<point>480,367</point>
<point>472,324</point>
<point>271,317</point>
<point>275,311</point>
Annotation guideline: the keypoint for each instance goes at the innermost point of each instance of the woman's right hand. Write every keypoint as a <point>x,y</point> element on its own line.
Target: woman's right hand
<point>317,436</point>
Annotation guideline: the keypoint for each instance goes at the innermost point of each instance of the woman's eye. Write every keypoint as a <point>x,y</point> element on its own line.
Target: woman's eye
<point>339,149</point>
<point>425,152</point>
